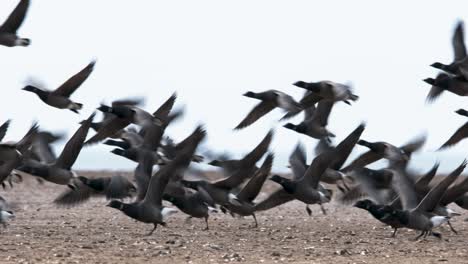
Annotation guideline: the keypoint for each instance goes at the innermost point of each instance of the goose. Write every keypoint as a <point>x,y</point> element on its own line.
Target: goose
<point>328,90</point>
<point>60,97</point>
<point>121,114</point>
<point>244,204</point>
<point>8,35</point>
<point>270,100</point>
<point>11,153</point>
<point>315,121</point>
<point>421,216</point>
<point>150,209</point>
<point>230,166</point>
<point>443,82</point>
<point>459,66</point>
<point>305,187</point>
<point>459,135</point>
<point>114,187</point>
<point>59,172</point>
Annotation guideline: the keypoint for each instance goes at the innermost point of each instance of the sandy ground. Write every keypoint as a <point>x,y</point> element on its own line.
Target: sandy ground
<point>94,233</point>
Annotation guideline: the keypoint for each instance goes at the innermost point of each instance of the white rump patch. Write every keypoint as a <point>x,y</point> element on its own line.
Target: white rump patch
<point>439,220</point>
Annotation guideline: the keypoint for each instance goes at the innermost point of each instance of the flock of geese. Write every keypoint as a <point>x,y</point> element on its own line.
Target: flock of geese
<point>393,195</point>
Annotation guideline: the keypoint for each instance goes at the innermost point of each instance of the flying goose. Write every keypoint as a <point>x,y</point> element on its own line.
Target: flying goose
<point>121,114</point>
<point>244,204</point>
<point>328,90</point>
<point>11,153</point>
<point>377,151</point>
<point>460,134</point>
<point>115,187</point>
<point>305,188</point>
<point>315,121</point>
<point>59,172</point>
<point>249,160</point>
<point>444,82</point>
<point>8,29</point>
<point>150,209</point>
<point>269,100</point>
<point>459,66</point>
<point>59,98</point>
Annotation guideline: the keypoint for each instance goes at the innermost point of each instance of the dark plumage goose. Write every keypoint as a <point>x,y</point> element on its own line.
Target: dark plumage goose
<point>459,66</point>
<point>150,209</point>
<point>306,189</point>
<point>376,184</point>
<point>269,100</point>
<point>249,160</point>
<point>8,36</point>
<point>460,134</point>
<point>193,203</point>
<point>421,216</point>
<point>115,187</point>
<point>444,82</point>
<point>11,154</point>
<point>378,150</point>
<point>315,121</point>
<point>59,171</point>
<point>328,90</point>
<point>121,114</point>
<point>60,97</point>
<point>244,205</point>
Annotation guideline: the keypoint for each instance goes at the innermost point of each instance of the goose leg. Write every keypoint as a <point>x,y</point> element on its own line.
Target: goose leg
<point>309,212</point>
<point>344,184</point>
<point>451,228</point>
<point>420,235</point>
<point>255,219</point>
<point>394,232</point>
<point>425,234</point>
<point>151,232</point>
<point>206,222</point>
<point>323,209</point>
<point>340,188</point>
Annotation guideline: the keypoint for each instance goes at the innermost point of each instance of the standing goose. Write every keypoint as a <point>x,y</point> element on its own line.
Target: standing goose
<point>60,97</point>
<point>444,82</point>
<point>150,209</point>
<point>59,172</point>
<point>8,29</point>
<point>460,134</point>
<point>459,66</point>
<point>328,90</point>
<point>245,205</point>
<point>315,121</point>
<point>269,100</point>
<point>306,189</point>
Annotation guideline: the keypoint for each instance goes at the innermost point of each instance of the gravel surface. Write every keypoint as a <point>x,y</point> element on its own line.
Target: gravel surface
<point>94,233</point>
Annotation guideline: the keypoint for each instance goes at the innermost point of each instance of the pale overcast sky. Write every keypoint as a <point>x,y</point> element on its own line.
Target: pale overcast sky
<point>211,52</point>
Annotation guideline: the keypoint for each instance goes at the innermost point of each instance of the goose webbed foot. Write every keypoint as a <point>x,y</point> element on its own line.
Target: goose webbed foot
<point>435,234</point>
<point>308,210</point>
<point>151,232</point>
<point>451,228</point>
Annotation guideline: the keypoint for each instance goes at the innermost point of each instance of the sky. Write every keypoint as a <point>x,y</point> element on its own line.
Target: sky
<point>211,52</point>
